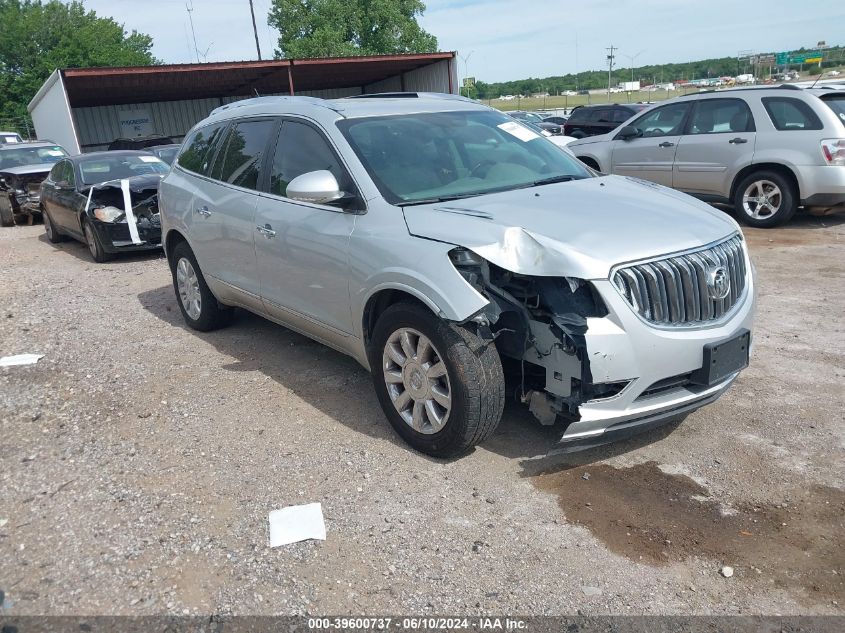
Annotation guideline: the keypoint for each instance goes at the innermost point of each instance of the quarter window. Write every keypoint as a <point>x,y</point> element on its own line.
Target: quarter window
<point>302,149</point>
<point>239,160</point>
<point>789,114</point>
<point>716,116</point>
<point>199,149</point>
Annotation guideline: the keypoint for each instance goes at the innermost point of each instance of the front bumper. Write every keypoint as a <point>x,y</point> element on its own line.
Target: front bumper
<point>115,237</point>
<point>622,347</point>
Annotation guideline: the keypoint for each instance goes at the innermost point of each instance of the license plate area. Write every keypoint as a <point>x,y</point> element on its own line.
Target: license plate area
<point>722,359</point>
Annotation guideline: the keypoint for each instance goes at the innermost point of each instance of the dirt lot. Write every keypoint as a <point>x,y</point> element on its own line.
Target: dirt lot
<point>139,460</point>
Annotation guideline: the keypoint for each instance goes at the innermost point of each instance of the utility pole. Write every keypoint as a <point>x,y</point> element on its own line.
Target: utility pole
<point>610,58</point>
<point>190,10</point>
<point>255,30</point>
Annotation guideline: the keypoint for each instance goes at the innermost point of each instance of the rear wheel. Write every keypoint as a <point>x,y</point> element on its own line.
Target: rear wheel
<point>441,387</point>
<point>198,304</point>
<point>50,229</point>
<point>765,199</point>
<point>95,246</point>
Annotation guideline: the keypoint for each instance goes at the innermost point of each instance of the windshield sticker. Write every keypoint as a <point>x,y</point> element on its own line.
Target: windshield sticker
<point>54,152</point>
<point>519,131</point>
<point>149,159</point>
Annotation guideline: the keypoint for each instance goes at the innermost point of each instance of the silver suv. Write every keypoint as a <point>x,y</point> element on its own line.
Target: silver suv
<point>765,150</point>
<point>459,255</point>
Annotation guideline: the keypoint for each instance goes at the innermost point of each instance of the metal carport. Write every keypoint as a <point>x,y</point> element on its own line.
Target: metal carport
<point>84,109</point>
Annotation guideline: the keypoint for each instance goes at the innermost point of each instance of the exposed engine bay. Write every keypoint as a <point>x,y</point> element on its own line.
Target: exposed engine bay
<point>538,325</point>
<point>129,207</point>
<point>20,195</point>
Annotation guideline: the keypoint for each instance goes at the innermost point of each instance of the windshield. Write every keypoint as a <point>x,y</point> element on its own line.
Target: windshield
<point>105,168</point>
<point>437,156</point>
<point>837,104</point>
<point>21,156</point>
<point>167,154</point>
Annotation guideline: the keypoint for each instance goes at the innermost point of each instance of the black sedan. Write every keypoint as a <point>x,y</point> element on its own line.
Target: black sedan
<point>108,200</point>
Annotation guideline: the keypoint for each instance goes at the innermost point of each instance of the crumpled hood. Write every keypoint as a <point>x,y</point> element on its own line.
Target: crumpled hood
<point>580,228</point>
<point>25,170</point>
<point>137,184</point>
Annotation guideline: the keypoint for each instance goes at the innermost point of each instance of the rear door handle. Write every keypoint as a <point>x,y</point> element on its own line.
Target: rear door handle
<point>266,230</point>
<point>203,211</point>
<point>738,140</point>
<point>666,144</point>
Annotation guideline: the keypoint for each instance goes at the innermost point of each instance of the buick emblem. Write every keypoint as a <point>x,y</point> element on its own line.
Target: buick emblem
<point>718,282</point>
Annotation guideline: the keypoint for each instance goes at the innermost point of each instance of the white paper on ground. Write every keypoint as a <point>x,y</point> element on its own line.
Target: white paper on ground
<point>20,359</point>
<point>297,523</point>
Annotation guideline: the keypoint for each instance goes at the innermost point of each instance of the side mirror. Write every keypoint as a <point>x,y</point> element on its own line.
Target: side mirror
<point>317,187</point>
<point>628,132</point>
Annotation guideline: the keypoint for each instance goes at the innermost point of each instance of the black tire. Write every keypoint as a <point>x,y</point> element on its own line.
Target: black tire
<point>787,200</point>
<point>212,315</point>
<point>7,215</point>
<point>50,229</point>
<point>476,381</point>
<point>578,134</point>
<point>95,246</point>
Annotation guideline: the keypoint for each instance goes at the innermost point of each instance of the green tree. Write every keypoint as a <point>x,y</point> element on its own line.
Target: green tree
<point>37,37</point>
<point>337,28</point>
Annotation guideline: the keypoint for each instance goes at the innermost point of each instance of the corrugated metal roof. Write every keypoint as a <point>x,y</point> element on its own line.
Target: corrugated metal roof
<point>146,84</point>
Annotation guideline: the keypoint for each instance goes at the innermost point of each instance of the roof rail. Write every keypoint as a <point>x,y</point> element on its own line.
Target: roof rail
<point>267,99</point>
<point>411,95</point>
<point>742,88</point>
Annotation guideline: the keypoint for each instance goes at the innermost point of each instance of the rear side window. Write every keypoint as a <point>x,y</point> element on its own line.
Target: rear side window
<point>719,116</point>
<point>837,104</point>
<point>199,149</point>
<point>789,114</point>
<point>302,149</point>
<point>239,160</point>
<point>601,115</point>
<point>621,115</point>
<point>579,114</point>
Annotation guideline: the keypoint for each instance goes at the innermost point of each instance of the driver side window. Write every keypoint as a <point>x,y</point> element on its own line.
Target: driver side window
<point>665,121</point>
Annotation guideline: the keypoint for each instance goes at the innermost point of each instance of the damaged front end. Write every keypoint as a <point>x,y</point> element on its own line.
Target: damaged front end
<point>539,325</point>
<point>126,213</point>
<point>20,194</point>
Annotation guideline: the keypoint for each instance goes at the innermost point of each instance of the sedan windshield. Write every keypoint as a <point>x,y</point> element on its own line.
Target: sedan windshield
<point>437,156</point>
<point>106,168</point>
<point>21,156</point>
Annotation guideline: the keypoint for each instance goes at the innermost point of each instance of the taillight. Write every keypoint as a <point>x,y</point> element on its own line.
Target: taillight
<point>834,151</point>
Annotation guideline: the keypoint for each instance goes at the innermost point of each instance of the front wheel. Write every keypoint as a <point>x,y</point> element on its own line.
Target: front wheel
<point>198,305</point>
<point>765,199</point>
<point>95,246</point>
<point>440,385</point>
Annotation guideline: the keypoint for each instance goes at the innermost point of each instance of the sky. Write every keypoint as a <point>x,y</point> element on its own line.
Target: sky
<point>515,39</point>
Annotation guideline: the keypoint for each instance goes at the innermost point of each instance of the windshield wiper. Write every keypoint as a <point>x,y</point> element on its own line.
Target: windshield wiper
<point>553,179</point>
<point>412,203</point>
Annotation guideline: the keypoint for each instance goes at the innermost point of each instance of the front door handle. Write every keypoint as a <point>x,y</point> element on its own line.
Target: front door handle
<point>738,140</point>
<point>666,144</point>
<point>203,211</point>
<point>266,230</point>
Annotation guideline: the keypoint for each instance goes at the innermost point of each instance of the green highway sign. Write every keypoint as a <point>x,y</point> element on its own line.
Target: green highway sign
<point>808,57</point>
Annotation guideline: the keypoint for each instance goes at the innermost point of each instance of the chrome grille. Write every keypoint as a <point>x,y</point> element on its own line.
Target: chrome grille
<point>674,290</point>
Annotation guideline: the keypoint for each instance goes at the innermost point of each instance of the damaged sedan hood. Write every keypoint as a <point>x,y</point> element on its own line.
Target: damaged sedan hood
<point>26,170</point>
<point>580,228</point>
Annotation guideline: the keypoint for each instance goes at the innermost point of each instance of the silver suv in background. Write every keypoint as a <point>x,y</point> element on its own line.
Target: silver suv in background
<point>457,254</point>
<point>764,150</point>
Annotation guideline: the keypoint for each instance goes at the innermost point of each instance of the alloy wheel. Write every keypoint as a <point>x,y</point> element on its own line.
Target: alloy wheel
<point>762,199</point>
<point>417,380</point>
<point>189,288</point>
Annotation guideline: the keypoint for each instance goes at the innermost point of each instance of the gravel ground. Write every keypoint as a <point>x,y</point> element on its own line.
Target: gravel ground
<point>139,460</point>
